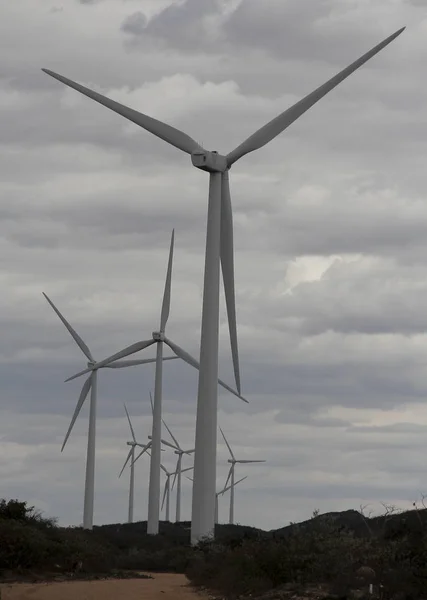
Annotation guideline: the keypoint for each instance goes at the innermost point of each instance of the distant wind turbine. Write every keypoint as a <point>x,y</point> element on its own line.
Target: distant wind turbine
<point>178,471</point>
<point>131,457</point>
<point>167,489</point>
<point>90,385</point>
<point>159,338</point>
<point>222,492</point>
<point>168,475</point>
<point>219,248</point>
<point>233,462</point>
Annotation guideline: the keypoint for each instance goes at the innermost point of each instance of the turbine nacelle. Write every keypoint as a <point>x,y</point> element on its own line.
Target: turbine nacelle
<point>181,451</point>
<point>158,336</point>
<point>209,161</point>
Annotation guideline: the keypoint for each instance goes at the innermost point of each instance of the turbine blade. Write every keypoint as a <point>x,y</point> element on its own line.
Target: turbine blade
<point>164,493</point>
<point>228,476</point>
<point>189,451</point>
<point>189,478</point>
<point>172,435</point>
<point>79,374</point>
<point>167,292</point>
<point>83,395</point>
<point>132,349</point>
<point>80,343</point>
<point>164,469</point>
<point>125,352</point>
<point>182,354</point>
<point>145,449</point>
<point>144,445</point>
<point>230,486</point>
<point>243,478</point>
<point>169,134</point>
<point>187,469</point>
<point>230,389</point>
<point>272,129</point>
<point>249,461</point>
<point>194,363</point>
<point>110,361</point>
<point>227,266</point>
<point>130,424</point>
<point>178,464</point>
<point>152,403</point>
<point>121,364</point>
<point>126,462</point>
<point>228,445</point>
<point>166,443</point>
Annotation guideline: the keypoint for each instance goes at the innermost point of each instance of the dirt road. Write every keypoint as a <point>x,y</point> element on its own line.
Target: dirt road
<point>164,586</point>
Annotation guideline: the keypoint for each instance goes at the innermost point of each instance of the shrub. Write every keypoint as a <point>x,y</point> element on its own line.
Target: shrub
<point>323,553</point>
<point>21,547</point>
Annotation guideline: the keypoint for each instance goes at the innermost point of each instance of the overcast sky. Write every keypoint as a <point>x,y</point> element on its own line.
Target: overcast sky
<point>330,245</point>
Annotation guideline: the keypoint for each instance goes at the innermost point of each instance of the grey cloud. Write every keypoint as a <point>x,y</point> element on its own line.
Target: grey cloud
<point>86,214</point>
<point>372,301</point>
<point>296,31</point>
<point>296,416</point>
<point>178,25</point>
<point>135,23</point>
<point>347,490</point>
<point>355,385</point>
<point>393,428</point>
<point>288,30</point>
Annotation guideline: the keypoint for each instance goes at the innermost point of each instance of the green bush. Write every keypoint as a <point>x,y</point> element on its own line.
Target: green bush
<point>21,547</point>
<point>321,554</point>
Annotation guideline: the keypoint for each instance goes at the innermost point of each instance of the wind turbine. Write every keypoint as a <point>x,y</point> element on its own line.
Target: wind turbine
<point>91,385</point>
<point>222,492</point>
<point>166,443</point>
<point>131,457</point>
<point>233,461</point>
<point>167,489</point>
<point>159,338</point>
<point>178,472</point>
<point>219,248</point>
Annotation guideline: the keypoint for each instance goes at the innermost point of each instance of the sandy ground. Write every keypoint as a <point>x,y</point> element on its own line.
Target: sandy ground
<point>164,586</point>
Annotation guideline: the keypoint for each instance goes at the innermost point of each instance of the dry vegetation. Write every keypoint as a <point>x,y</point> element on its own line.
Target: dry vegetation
<point>320,558</point>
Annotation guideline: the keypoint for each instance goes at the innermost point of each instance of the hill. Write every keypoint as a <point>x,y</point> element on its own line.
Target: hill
<point>359,525</point>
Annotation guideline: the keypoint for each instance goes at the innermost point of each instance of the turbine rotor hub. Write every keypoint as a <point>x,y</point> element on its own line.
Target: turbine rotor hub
<point>158,336</point>
<point>212,162</point>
